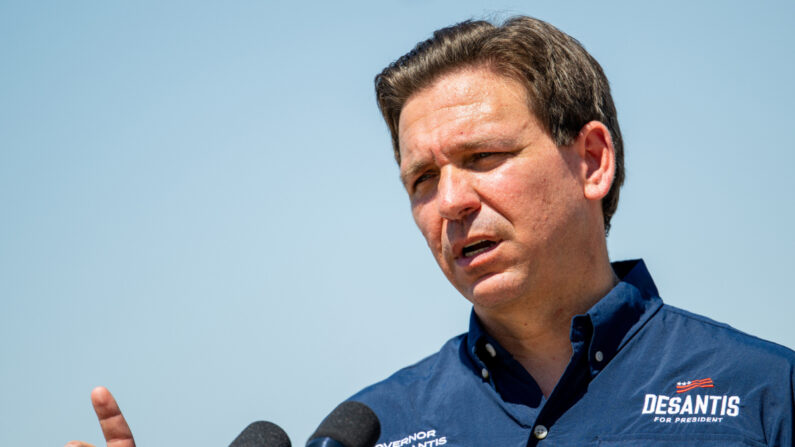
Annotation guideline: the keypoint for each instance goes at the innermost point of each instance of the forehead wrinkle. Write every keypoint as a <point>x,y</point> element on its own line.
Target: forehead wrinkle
<point>447,95</point>
<point>442,99</point>
<point>441,115</point>
<point>449,124</point>
<point>480,121</point>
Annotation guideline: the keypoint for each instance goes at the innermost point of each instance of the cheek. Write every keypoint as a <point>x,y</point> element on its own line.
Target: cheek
<point>531,195</point>
<point>521,191</point>
<point>430,226</point>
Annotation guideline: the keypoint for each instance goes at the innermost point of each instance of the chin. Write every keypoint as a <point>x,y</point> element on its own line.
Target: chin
<point>495,291</point>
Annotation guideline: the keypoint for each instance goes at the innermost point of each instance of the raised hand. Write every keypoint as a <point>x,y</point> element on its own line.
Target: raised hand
<point>114,428</point>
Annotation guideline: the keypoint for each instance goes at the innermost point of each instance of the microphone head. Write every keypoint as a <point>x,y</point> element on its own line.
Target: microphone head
<point>352,424</point>
<point>261,434</point>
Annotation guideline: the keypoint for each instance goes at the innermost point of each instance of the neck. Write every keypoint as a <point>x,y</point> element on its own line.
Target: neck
<point>535,330</point>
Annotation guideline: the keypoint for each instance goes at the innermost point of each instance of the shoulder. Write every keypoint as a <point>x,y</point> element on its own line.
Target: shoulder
<point>687,346</point>
<point>681,358</point>
<point>407,401</point>
<point>704,332</point>
<point>415,380</point>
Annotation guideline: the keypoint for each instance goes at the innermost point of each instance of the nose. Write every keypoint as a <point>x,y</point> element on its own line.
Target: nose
<point>456,196</point>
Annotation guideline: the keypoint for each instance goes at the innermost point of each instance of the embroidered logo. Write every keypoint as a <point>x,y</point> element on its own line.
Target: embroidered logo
<point>423,438</point>
<point>691,408</point>
<point>683,387</point>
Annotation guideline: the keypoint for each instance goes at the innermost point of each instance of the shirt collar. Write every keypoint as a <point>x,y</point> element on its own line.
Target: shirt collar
<point>606,327</point>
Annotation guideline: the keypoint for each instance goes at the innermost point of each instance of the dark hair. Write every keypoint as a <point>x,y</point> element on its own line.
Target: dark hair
<point>566,86</point>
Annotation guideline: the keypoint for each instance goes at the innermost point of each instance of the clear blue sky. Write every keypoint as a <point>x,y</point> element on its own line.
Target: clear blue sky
<point>199,207</point>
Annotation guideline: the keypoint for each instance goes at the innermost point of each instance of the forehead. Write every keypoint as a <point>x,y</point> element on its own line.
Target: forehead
<point>462,108</point>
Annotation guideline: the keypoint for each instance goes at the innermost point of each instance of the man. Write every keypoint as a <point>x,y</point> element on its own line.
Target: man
<point>511,154</point>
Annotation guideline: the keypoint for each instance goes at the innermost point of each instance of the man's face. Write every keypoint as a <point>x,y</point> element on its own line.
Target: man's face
<point>497,201</point>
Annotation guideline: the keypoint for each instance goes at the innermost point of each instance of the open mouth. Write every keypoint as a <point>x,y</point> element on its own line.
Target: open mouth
<point>477,247</point>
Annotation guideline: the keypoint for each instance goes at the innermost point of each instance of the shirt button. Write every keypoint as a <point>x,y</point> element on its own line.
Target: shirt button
<point>540,432</point>
<point>490,349</point>
<point>485,373</point>
<point>599,356</point>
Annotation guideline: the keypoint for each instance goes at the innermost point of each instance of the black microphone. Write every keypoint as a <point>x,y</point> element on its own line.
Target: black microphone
<point>261,434</point>
<point>351,424</point>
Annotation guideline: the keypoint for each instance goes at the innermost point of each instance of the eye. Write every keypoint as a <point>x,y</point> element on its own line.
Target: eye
<point>424,177</point>
<point>486,160</point>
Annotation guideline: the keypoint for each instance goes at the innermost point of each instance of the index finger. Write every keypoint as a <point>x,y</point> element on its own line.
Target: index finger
<point>114,428</point>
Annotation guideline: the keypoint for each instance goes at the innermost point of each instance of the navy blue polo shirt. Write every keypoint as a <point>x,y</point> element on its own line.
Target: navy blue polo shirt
<point>641,373</point>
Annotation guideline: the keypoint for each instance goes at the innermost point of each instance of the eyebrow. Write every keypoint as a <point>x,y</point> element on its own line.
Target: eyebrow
<point>412,170</point>
<point>500,143</point>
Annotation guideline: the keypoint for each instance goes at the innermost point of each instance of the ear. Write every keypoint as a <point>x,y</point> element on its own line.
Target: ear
<point>595,147</point>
